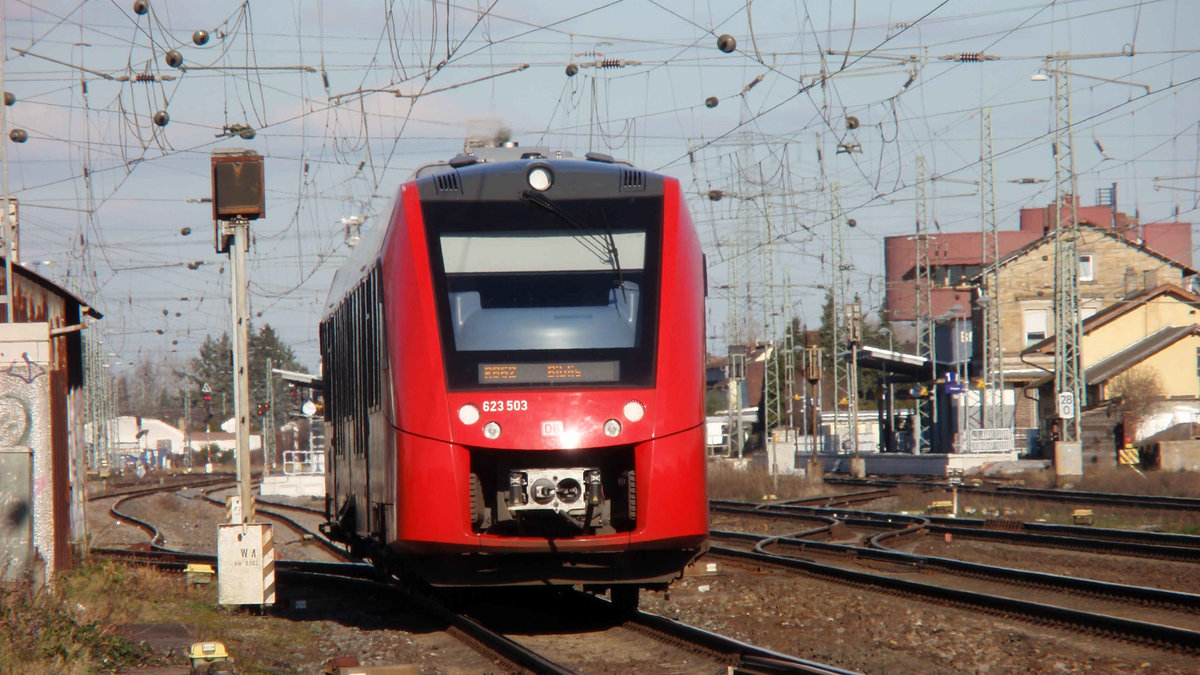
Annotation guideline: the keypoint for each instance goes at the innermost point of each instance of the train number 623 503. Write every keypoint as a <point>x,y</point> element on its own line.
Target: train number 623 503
<point>511,405</point>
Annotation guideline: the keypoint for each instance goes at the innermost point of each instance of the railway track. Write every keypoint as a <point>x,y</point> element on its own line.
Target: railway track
<point>1013,491</point>
<point>1152,634</point>
<point>1146,615</point>
<point>496,643</point>
<point>488,637</point>
<point>168,482</point>
<point>1156,545</point>
<point>276,511</point>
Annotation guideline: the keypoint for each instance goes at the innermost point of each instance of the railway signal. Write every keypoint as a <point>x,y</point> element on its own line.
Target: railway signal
<point>238,198</point>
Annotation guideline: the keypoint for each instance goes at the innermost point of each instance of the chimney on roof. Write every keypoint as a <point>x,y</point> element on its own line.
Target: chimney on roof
<point>1149,279</point>
<point>1130,280</point>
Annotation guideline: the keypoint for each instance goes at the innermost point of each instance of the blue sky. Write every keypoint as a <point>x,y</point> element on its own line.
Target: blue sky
<point>408,81</point>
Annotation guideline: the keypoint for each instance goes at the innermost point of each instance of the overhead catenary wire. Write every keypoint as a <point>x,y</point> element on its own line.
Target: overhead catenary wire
<point>334,149</point>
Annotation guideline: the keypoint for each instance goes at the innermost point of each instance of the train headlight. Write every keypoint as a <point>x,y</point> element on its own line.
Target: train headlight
<point>634,411</point>
<point>612,428</point>
<point>540,178</point>
<point>468,414</point>
<point>491,431</point>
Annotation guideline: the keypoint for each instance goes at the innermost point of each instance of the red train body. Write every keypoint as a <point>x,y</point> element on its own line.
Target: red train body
<point>513,370</point>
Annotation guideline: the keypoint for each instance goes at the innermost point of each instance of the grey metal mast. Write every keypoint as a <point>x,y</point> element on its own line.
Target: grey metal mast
<point>841,368</point>
<point>1067,372</point>
<point>993,365</point>
<point>923,311</point>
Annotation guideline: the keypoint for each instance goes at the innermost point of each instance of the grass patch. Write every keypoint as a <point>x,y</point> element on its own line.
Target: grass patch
<point>45,633</point>
<point>755,483</point>
<point>72,630</point>
<point>1125,480</point>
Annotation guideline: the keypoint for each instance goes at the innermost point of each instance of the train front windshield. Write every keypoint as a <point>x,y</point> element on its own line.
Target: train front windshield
<point>530,299</point>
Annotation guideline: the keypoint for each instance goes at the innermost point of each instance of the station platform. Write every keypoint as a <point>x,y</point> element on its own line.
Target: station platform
<point>899,464</point>
<point>293,485</point>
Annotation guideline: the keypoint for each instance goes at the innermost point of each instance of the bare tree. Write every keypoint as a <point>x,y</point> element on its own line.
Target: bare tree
<point>1133,396</point>
<point>151,389</point>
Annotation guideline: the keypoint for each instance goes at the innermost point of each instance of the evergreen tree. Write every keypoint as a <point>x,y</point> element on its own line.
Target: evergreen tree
<point>875,332</point>
<point>214,366</point>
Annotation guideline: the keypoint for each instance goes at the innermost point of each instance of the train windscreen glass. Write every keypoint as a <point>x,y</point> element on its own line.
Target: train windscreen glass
<point>536,291</point>
<point>546,306</point>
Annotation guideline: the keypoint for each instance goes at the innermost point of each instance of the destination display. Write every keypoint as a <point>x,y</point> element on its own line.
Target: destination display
<point>544,373</point>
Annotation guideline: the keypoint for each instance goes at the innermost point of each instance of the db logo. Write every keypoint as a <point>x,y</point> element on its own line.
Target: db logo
<point>552,428</point>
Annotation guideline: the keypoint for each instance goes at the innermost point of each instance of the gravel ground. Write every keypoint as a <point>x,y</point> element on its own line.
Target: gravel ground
<point>876,633</point>
<point>1166,574</point>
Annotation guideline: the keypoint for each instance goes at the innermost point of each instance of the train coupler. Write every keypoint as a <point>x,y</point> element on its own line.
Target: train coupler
<point>575,493</point>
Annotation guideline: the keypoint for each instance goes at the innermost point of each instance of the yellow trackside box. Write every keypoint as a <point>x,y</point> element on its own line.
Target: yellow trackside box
<point>198,574</point>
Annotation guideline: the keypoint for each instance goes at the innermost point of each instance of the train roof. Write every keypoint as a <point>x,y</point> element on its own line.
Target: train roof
<point>366,254</point>
<point>508,153</point>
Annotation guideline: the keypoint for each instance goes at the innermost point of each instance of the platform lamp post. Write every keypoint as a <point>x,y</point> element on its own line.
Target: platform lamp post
<point>245,550</point>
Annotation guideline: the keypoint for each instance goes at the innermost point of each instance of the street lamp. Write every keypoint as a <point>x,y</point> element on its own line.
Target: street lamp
<point>888,331</point>
<point>1069,385</point>
<point>1045,73</point>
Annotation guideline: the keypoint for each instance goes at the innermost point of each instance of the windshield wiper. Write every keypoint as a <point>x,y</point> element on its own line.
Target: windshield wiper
<point>604,248</point>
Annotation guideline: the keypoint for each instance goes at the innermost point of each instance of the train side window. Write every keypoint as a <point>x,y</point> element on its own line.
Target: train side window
<point>373,339</point>
<point>357,366</point>
<point>377,350</point>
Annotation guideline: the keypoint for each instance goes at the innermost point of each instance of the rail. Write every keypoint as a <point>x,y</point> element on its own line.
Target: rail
<point>1164,546</point>
<point>1151,634</point>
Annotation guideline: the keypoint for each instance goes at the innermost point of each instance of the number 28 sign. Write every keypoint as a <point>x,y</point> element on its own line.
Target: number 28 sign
<point>1066,405</point>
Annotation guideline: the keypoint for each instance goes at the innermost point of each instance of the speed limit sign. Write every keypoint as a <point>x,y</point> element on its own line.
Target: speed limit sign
<point>1066,405</point>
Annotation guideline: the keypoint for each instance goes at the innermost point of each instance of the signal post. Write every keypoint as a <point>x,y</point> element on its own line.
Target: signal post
<point>245,548</point>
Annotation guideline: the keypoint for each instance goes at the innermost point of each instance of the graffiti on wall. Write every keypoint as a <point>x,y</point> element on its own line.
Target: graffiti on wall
<point>25,422</point>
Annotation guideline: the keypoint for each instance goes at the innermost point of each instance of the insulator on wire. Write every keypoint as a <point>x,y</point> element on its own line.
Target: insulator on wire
<point>610,63</point>
<point>726,43</point>
<point>144,77</point>
<point>970,57</point>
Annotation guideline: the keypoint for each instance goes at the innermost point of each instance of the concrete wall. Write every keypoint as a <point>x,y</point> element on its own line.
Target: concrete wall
<point>1179,456</point>
<point>25,421</point>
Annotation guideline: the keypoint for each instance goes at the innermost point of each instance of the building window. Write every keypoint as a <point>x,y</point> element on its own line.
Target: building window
<point>1085,268</point>
<point>1035,325</point>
